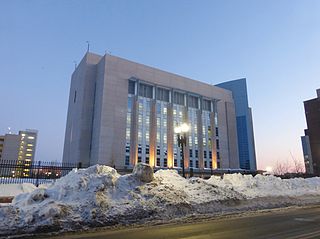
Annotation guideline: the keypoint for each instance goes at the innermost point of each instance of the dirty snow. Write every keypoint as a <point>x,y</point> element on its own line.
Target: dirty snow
<point>99,196</point>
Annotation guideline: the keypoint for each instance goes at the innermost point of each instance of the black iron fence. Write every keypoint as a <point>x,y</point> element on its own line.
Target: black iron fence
<point>37,172</point>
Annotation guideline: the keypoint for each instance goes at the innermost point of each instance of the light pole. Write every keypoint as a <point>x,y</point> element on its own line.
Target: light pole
<point>181,132</point>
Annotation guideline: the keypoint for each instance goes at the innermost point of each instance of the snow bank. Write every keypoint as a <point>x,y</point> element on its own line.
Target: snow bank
<point>267,186</point>
<point>10,190</point>
<point>99,196</point>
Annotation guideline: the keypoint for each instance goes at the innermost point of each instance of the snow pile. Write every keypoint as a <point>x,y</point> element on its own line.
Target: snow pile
<point>99,196</point>
<point>268,186</point>
<point>10,190</point>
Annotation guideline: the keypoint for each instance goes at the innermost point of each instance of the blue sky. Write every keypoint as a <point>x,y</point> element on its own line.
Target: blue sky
<point>274,44</point>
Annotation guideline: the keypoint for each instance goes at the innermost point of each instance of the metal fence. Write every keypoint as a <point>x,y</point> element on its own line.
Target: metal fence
<point>37,172</point>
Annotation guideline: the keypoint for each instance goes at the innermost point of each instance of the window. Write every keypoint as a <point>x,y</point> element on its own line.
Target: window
<point>196,151</point>
<point>191,164</point>
<point>74,97</point>
<point>158,162</point>
<point>147,160</point>
<point>129,104</point>
<point>217,132</point>
<point>127,160</point>
<point>165,162</point>
<point>218,164</point>
<point>139,150</point>
<point>193,101</point>
<point>218,145</point>
<point>145,91</point>
<point>131,87</point>
<point>178,98</point>
<point>205,154</point>
<point>190,152</point>
<point>147,150</point>
<point>210,164</point>
<point>218,155</point>
<point>139,159</point>
<point>162,94</point>
<point>158,151</point>
<point>197,164</point>
<point>210,154</point>
<point>175,163</point>
<point>205,164</point>
<point>206,105</point>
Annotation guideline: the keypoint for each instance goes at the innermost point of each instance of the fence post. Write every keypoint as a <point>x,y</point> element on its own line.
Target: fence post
<point>79,165</point>
<point>37,178</point>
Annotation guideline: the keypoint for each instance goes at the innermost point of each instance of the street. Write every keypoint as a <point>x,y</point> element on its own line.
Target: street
<point>291,223</point>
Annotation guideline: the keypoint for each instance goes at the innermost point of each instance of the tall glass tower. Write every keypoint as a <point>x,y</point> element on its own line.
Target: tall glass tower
<point>247,154</point>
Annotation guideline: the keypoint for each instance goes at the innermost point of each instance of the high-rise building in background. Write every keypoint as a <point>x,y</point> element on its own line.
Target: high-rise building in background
<point>20,149</point>
<point>121,112</point>
<point>247,152</point>
<point>311,139</point>
<point>1,145</point>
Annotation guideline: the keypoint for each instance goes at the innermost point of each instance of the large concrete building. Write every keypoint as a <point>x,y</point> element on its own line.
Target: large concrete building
<point>121,112</point>
<point>311,139</point>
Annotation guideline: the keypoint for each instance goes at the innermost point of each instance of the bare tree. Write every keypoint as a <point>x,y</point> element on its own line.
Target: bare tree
<point>281,168</point>
<point>284,167</point>
<point>298,166</point>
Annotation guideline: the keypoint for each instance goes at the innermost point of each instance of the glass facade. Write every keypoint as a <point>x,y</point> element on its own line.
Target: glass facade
<point>193,138</point>
<point>162,137</point>
<point>150,112</point>
<point>144,107</point>
<point>128,127</point>
<point>206,135</point>
<point>177,120</point>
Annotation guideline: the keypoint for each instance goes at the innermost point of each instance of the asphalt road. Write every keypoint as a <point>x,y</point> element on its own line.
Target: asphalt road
<point>285,223</point>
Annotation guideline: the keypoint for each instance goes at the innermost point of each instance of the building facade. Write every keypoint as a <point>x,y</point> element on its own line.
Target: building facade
<point>121,112</point>
<point>311,139</point>
<point>247,152</point>
<point>20,149</point>
<point>306,149</point>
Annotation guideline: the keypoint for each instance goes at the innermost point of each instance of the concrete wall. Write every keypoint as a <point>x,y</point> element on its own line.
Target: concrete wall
<point>80,111</point>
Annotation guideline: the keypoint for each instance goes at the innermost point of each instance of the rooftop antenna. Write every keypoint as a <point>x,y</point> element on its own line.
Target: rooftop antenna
<point>88,46</point>
<point>75,64</point>
<point>108,52</point>
<point>9,130</point>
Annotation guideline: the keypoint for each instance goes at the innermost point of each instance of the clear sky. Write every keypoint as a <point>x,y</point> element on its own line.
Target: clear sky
<point>274,44</point>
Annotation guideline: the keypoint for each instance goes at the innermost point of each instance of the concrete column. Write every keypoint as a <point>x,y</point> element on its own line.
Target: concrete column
<point>213,140</point>
<point>170,135</point>
<point>134,132</point>
<point>232,135</point>
<point>153,134</point>
<point>186,149</point>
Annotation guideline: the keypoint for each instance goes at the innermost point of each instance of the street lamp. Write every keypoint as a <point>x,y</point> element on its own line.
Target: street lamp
<point>181,132</point>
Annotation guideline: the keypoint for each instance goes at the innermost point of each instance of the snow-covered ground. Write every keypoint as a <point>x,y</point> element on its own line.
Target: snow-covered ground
<point>99,196</point>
